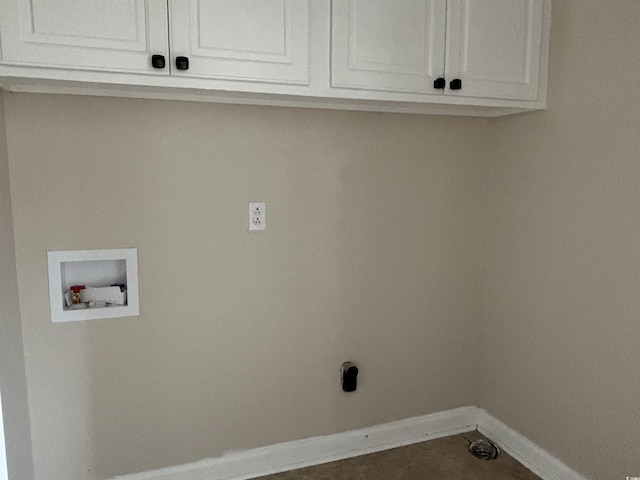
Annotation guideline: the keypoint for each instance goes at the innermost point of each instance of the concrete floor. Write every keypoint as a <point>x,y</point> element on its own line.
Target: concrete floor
<point>441,459</point>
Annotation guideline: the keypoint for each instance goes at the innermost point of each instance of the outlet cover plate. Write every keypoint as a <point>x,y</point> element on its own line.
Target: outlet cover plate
<point>257,216</point>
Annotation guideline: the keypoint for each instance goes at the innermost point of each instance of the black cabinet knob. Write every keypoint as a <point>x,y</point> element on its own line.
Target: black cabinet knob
<point>455,84</point>
<point>439,83</point>
<point>182,63</point>
<point>157,61</point>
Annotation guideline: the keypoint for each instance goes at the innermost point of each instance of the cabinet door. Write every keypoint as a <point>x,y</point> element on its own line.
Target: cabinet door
<point>84,34</point>
<point>493,47</point>
<point>255,40</point>
<point>388,45</point>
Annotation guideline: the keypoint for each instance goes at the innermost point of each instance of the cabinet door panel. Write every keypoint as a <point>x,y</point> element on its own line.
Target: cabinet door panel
<point>493,46</point>
<point>259,40</point>
<point>388,45</point>
<point>86,34</point>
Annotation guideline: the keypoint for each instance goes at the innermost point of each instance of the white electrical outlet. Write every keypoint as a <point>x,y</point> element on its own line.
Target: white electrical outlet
<point>257,216</point>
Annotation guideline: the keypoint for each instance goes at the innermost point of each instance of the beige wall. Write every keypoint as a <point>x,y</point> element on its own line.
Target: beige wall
<point>371,255</point>
<point>561,344</point>
<point>12,372</point>
<point>401,242</point>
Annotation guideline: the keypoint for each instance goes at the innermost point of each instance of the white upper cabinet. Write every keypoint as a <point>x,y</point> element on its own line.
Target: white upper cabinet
<point>466,48</point>
<point>493,48</point>
<point>85,34</point>
<point>388,45</point>
<point>467,57</point>
<point>259,40</point>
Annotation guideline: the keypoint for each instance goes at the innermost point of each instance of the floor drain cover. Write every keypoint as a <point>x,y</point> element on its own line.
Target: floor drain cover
<point>484,449</point>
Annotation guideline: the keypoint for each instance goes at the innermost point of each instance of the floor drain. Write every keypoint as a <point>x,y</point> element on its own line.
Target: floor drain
<point>484,449</point>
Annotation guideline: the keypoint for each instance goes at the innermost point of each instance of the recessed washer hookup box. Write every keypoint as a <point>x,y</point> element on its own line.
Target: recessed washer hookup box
<point>92,284</point>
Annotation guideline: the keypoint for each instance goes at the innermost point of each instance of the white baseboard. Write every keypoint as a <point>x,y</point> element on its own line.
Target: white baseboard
<point>313,451</point>
<point>539,461</point>
<point>3,458</point>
